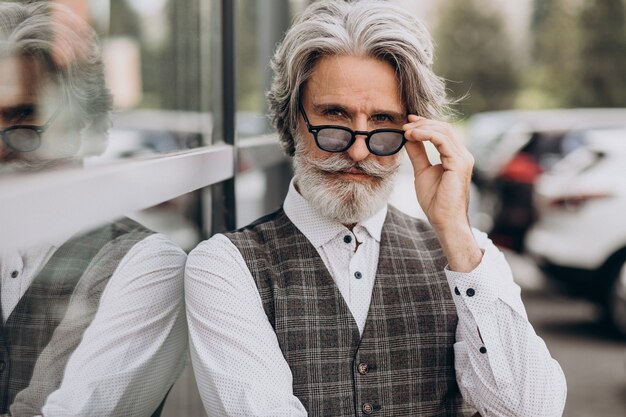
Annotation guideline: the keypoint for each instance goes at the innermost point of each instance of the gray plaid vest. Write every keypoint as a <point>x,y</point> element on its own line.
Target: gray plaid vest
<point>403,365</point>
<point>48,322</point>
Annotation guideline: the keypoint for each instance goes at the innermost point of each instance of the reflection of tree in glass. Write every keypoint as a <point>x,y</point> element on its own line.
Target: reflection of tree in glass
<point>170,57</point>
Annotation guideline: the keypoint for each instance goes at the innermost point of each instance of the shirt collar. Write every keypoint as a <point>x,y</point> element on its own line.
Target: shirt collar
<point>319,229</point>
<point>47,245</point>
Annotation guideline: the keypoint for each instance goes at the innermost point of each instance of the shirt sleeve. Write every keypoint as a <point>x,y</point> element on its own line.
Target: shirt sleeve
<point>502,367</point>
<point>134,349</point>
<point>237,360</point>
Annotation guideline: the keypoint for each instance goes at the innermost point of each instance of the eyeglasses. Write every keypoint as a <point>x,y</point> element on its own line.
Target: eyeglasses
<point>26,138</point>
<point>330,138</point>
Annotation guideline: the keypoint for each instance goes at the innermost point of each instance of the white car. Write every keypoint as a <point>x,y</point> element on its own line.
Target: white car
<point>512,148</point>
<point>580,238</point>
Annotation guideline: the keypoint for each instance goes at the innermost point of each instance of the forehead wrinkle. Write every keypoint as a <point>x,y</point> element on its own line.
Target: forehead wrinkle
<point>24,81</point>
<point>356,82</point>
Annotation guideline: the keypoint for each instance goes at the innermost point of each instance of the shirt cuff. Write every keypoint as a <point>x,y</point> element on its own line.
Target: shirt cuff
<point>478,289</point>
<point>492,280</point>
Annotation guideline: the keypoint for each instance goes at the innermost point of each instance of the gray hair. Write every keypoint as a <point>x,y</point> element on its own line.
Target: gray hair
<point>67,47</point>
<point>375,29</point>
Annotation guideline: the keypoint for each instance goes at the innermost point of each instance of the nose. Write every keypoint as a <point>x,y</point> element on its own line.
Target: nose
<point>358,151</point>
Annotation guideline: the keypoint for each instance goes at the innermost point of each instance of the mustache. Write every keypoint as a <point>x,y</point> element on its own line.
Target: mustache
<point>336,164</point>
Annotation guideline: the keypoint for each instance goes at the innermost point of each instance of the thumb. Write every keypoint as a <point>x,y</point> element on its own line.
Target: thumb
<point>417,155</point>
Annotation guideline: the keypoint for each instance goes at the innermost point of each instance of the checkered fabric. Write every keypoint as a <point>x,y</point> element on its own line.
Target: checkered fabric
<point>47,324</point>
<point>403,365</point>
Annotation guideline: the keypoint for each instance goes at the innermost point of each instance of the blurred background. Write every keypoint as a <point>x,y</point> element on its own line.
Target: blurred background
<point>540,98</point>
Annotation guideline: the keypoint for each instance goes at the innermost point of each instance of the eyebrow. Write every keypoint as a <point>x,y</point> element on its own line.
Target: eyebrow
<point>11,111</point>
<point>320,107</point>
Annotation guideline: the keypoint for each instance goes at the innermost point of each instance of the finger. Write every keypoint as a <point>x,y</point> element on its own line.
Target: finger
<point>441,127</point>
<point>417,156</point>
<point>453,155</point>
<point>412,121</point>
<point>436,126</point>
<point>441,142</point>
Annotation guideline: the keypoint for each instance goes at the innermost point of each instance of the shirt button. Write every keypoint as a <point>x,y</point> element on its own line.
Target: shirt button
<point>347,238</point>
<point>368,408</point>
<point>482,350</point>
<point>358,275</point>
<point>456,291</point>
<point>362,368</point>
<point>470,292</point>
<point>3,366</point>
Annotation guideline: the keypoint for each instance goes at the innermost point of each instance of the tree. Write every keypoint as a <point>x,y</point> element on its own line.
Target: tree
<point>602,57</point>
<point>554,53</point>
<point>476,56</point>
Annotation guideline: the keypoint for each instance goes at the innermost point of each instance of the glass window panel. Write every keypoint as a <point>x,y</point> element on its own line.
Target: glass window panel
<point>55,113</point>
<point>263,182</point>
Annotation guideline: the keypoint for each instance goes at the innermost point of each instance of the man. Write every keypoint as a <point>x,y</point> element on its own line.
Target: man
<point>93,324</point>
<point>338,305</point>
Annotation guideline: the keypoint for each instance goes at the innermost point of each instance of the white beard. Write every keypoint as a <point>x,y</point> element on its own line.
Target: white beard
<point>343,200</point>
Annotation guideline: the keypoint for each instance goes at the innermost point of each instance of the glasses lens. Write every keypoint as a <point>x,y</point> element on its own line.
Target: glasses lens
<point>386,143</point>
<point>333,140</point>
<point>22,139</point>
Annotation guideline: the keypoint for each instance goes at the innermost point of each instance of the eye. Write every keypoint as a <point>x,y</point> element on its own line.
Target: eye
<point>26,114</point>
<point>383,118</point>
<point>334,113</point>
<point>22,115</point>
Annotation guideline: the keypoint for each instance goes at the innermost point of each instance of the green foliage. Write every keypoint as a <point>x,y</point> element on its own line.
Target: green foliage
<point>475,54</point>
<point>579,53</point>
<point>249,89</point>
<point>602,57</point>
<point>554,53</point>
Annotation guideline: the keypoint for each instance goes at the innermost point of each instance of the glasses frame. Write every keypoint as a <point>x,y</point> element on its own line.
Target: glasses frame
<point>315,129</point>
<point>35,128</point>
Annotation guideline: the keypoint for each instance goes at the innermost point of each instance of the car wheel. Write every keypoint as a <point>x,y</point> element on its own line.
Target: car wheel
<point>617,300</point>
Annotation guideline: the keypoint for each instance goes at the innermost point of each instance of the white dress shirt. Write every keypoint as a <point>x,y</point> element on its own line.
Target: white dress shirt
<point>502,367</point>
<point>134,349</point>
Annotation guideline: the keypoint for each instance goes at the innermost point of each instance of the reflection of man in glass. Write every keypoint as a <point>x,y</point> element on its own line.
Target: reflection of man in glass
<point>338,304</point>
<point>24,98</point>
<point>52,87</point>
<point>92,325</point>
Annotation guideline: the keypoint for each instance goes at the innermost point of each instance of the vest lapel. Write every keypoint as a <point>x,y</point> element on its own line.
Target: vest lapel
<point>320,278</point>
<point>409,274</point>
<point>57,280</point>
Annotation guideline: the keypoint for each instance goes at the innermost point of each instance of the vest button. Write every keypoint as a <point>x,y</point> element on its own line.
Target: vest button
<point>368,408</point>
<point>470,292</point>
<point>3,366</point>
<point>358,275</point>
<point>347,238</point>
<point>14,274</point>
<point>456,291</point>
<point>362,368</point>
